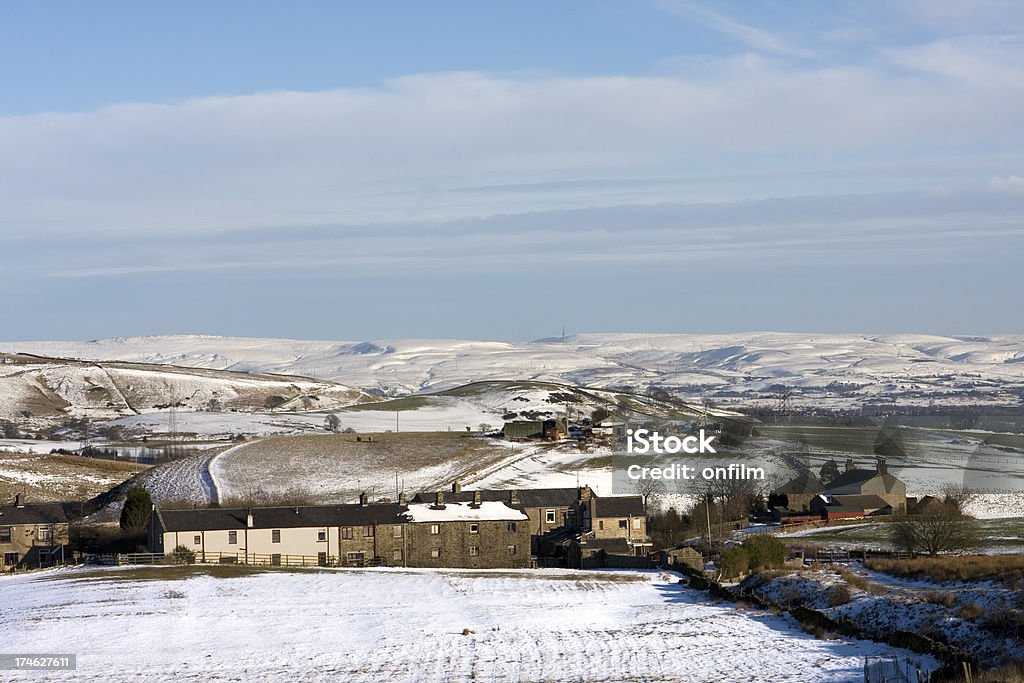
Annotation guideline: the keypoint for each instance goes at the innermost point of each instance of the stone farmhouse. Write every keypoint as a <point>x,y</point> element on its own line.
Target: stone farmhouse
<point>558,517</point>
<point>853,494</point>
<point>33,535</point>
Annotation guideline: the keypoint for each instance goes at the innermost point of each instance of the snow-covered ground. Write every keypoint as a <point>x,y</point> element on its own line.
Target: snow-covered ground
<point>405,625</point>
<point>917,605</point>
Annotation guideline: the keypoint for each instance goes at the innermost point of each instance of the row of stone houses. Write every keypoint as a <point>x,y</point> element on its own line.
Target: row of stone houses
<point>470,529</point>
<point>33,535</point>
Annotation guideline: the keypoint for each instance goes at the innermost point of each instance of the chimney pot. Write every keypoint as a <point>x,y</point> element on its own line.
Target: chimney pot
<point>883,468</point>
<point>849,464</point>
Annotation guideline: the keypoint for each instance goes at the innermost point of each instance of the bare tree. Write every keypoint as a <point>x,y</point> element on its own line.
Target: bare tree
<point>650,490</point>
<point>332,423</point>
<point>940,528</point>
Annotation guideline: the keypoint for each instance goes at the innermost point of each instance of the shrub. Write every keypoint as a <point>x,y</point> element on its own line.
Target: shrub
<point>138,508</point>
<point>734,562</point>
<point>839,594</point>
<point>970,611</point>
<point>184,555</point>
<point>765,552</point>
<point>944,598</point>
<point>1005,622</point>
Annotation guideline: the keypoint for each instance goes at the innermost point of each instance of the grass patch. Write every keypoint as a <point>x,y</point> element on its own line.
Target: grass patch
<point>173,572</point>
<point>407,403</point>
<point>955,568</point>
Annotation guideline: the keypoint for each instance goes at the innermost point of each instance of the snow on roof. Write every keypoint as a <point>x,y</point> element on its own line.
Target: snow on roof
<point>454,512</point>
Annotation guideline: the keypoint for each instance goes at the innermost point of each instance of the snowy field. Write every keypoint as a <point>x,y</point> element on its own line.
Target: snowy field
<point>405,625</point>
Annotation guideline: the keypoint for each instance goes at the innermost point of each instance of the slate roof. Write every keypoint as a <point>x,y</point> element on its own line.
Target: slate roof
<point>528,498</point>
<point>805,482</point>
<point>865,502</point>
<point>619,506</point>
<point>456,512</point>
<point>845,508</point>
<point>857,478</point>
<point>214,519</point>
<point>41,513</point>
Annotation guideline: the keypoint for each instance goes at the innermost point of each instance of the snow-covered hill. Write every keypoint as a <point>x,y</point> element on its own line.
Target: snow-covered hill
<point>839,370</point>
<point>47,389</point>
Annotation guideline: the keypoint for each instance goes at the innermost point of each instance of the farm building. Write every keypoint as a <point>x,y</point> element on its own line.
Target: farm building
<point>476,535</point>
<point>876,482</point>
<point>526,430</point>
<point>33,535</point>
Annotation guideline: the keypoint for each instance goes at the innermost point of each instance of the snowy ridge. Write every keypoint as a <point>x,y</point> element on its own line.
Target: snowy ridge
<point>842,369</point>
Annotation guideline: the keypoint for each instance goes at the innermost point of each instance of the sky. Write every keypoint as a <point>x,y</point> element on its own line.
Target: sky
<point>479,170</point>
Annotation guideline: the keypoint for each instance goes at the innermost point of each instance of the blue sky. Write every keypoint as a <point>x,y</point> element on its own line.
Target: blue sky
<point>466,169</point>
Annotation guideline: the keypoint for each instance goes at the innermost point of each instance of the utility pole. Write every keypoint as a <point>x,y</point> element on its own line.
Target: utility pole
<point>396,421</point>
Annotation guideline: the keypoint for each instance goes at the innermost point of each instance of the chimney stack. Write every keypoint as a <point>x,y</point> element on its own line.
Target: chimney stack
<point>849,464</point>
<point>364,500</point>
<point>883,469</point>
<point>585,494</point>
<point>402,500</point>
<point>477,498</point>
<point>439,499</point>
<point>456,487</point>
<point>513,498</point>
<point>19,500</point>
<point>248,520</point>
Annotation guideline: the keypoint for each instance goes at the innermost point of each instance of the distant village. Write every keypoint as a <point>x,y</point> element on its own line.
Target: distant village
<point>451,528</point>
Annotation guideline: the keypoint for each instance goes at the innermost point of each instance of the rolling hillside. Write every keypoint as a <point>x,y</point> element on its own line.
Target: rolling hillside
<point>837,370</point>
<point>38,391</point>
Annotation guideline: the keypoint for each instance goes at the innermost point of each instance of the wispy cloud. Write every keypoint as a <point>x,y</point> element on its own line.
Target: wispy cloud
<point>752,37</point>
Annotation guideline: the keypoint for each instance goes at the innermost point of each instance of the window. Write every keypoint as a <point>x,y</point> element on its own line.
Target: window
<point>549,516</point>
<point>511,526</point>
<point>636,523</point>
<point>10,559</point>
<point>346,533</point>
<point>474,528</point>
<point>367,531</point>
<point>275,536</point>
<point>233,537</point>
<point>511,550</point>
<point>275,560</point>
<point>396,554</point>
<point>5,534</point>
<point>396,531</point>
<point>435,528</point>
<point>321,536</point>
<point>435,553</point>
<point>474,551</point>
<point>354,558</point>
<point>600,524</point>
<point>45,533</point>
<point>622,524</point>
<point>197,540</point>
